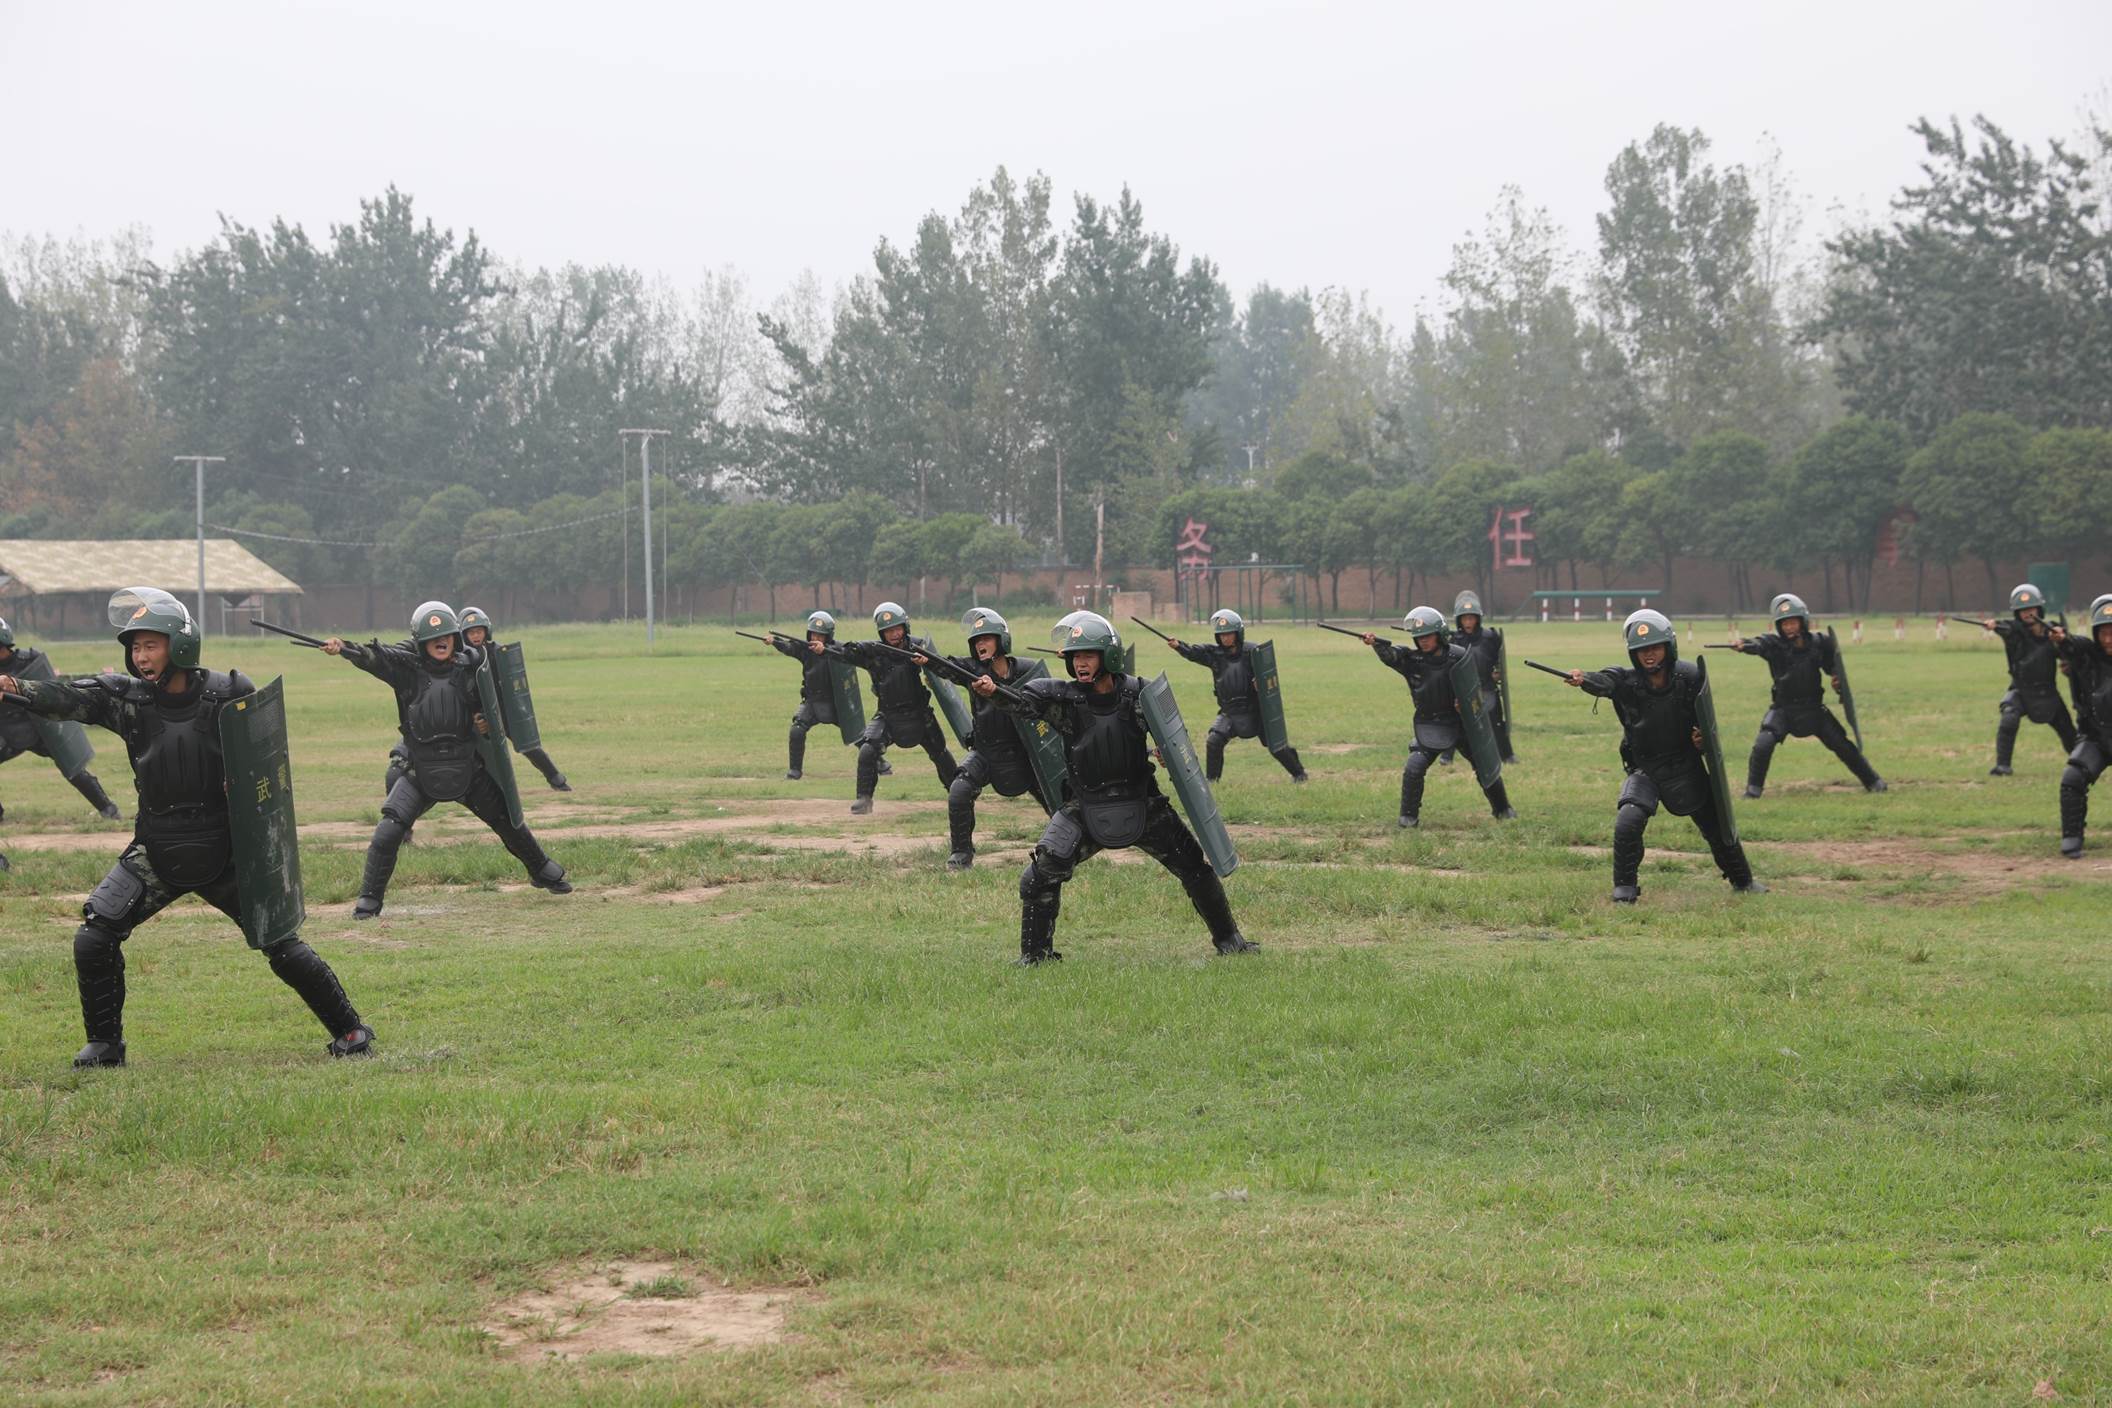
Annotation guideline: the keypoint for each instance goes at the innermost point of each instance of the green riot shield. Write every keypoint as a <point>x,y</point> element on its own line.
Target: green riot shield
<point>514,699</point>
<point>1163,717</point>
<point>1840,675</point>
<point>1275,734</point>
<point>1503,681</point>
<point>65,741</point>
<point>850,704</point>
<point>491,746</point>
<point>267,848</point>
<point>1712,752</point>
<point>1481,746</point>
<point>1045,747</point>
<point>952,706</point>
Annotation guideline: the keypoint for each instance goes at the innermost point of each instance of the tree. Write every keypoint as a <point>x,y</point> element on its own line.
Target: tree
<point>1259,362</point>
<point>422,545</point>
<point>1577,513</point>
<point>1968,488</point>
<point>2069,474</point>
<point>989,553</point>
<point>1842,489</point>
<point>1317,474</point>
<point>1464,503</point>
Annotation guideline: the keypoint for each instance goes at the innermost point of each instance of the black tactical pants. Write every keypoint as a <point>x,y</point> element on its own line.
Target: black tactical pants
<point>967,785</point>
<point>1817,721</point>
<point>808,715</point>
<point>129,896</point>
<point>1418,767</point>
<point>543,764</point>
<point>400,764</point>
<point>1244,724</point>
<point>84,781</point>
<point>1064,845</point>
<point>2044,708</point>
<point>1639,802</point>
<point>406,803</point>
<point>2085,765</point>
<point>875,742</point>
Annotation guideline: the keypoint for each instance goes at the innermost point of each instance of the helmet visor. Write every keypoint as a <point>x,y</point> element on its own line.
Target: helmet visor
<point>131,604</point>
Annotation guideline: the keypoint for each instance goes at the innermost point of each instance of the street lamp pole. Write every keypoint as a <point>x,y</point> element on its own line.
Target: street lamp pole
<point>198,464</point>
<point>645,479</point>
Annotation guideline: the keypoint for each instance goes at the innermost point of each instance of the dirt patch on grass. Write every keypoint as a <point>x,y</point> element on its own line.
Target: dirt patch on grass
<point>1969,869</point>
<point>637,1307</point>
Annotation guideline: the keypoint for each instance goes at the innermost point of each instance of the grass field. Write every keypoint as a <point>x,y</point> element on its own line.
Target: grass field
<point>1463,1132</point>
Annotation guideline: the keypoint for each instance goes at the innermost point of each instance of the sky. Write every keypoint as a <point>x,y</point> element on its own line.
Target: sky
<point>1315,145</point>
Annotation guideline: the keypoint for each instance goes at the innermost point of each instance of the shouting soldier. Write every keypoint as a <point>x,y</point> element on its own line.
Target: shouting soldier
<point>476,633</point>
<point>1799,662</point>
<point>2090,661</point>
<point>440,712</point>
<point>2027,639</point>
<point>1429,663</point>
<point>1485,644</point>
<point>167,708</point>
<point>902,713</point>
<point>1667,744</point>
<point>63,743</point>
<point>998,753</point>
<point>821,677</point>
<point>1238,686</point>
<point>1113,797</point>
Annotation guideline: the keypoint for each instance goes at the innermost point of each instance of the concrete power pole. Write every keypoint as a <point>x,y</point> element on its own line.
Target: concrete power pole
<point>645,481</point>
<point>198,463</point>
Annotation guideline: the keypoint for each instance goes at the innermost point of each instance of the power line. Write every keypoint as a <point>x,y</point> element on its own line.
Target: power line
<point>375,543</point>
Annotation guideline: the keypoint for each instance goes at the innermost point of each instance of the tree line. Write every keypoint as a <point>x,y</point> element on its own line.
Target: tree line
<point>396,403</point>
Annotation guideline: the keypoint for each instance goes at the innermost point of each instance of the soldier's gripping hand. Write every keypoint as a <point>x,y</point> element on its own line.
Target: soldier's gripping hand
<point>483,725</point>
<point>1575,679</point>
<point>1697,739</point>
<point>9,685</point>
<point>1988,622</point>
<point>1370,638</point>
<point>817,646</point>
<point>1172,644</point>
<point>918,658</point>
<point>2058,632</point>
<point>984,686</point>
<point>334,646</point>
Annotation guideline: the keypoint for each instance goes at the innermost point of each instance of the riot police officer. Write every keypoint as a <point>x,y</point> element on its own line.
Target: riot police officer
<point>2034,693</point>
<point>1661,751</point>
<point>997,753</point>
<point>476,633</point>
<point>1426,662</point>
<point>817,698</point>
<point>166,708</point>
<point>1113,798</point>
<point>902,713</point>
<point>1799,662</point>
<point>1238,687</point>
<point>2090,662</point>
<point>1485,644</point>
<point>19,733</point>
<point>440,715</point>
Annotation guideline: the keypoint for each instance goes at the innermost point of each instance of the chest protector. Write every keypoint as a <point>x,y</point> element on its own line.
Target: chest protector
<point>1235,681</point>
<point>898,690</point>
<point>2033,661</point>
<point>817,687</point>
<point>174,741</point>
<point>1799,682</point>
<point>997,733</point>
<point>2098,691</point>
<point>1483,645</point>
<point>440,729</point>
<point>1659,737</point>
<point>1109,760</point>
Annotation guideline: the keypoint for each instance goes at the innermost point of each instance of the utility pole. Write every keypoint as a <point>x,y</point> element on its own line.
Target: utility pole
<point>645,484</point>
<point>198,463</point>
<point>1099,542</point>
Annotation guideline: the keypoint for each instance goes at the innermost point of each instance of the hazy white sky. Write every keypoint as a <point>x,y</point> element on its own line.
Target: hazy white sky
<point>1314,144</point>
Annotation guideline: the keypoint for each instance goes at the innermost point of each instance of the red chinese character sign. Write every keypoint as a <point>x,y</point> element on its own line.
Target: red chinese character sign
<point>1192,554</point>
<point>1510,541</point>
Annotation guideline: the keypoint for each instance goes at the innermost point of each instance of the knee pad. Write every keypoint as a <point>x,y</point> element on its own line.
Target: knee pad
<point>2073,779</point>
<point>390,831</point>
<point>96,948</point>
<point>1033,887</point>
<point>1630,820</point>
<point>113,900</point>
<point>1418,763</point>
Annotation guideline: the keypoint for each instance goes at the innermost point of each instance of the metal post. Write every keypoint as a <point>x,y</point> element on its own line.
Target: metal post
<point>198,464</point>
<point>645,482</point>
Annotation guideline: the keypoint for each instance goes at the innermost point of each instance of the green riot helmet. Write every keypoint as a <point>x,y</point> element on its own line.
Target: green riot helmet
<point>2101,613</point>
<point>1789,604</point>
<point>982,621</point>
<point>2097,602</point>
<point>471,617</point>
<point>1647,627</point>
<point>432,620</point>
<point>1228,621</point>
<point>1466,604</point>
<point>2025,596</point>
<point>135,609</point>
<point>821,623</point>
<point>7,634</point>
<point>888,615</point>
<point>1085,630</point>
<point>1426,621</point>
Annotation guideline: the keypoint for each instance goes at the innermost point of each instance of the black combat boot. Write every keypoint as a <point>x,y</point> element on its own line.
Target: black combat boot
<point>100,1053</point>
<point>550,876</point>
<point>1235,942</point>
<point>359,1041</point>
<point>91,789</point>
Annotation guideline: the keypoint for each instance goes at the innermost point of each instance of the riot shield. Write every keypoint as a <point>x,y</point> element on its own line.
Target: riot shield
<point>1275,734</point>
<point>1045,747</point>
<point>1840,674</point>
<point>515,700</point>
<point>1503,681</point>
<point>1480,734</point>
<point>267,848</point>
<point>1163,717</point>
<point>1712,752</point>
<point>850,704</point>
<point>952,706</point>
<point>491,746</point>
<point>65,741</point>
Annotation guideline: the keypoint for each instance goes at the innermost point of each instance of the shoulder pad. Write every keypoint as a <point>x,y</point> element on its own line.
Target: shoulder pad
<point>1686,670</point>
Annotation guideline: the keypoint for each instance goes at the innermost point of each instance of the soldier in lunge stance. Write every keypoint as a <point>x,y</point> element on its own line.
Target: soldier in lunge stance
<point>2034,693</point>
<point>2090,661</point>
<point>476,633</point>
<point>1427,662</point>
<point>1485,644</point>
<point>167,710</point>
<point>998,755</point>
<point>1238,687</point>
<point>63,743</point>
<point>818,682</point>
<point>1667,740</point>
<point>441,715</point>
<point>902,713</point>
<point>1800,662</point>
<point>1114,798</point>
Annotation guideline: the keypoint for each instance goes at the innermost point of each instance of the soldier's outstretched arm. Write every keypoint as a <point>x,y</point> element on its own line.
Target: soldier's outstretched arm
<point>93,700</point>
<point>1599,684</point>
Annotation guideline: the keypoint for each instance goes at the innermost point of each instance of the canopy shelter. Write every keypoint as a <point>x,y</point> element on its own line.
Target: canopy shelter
<point>43,581</point>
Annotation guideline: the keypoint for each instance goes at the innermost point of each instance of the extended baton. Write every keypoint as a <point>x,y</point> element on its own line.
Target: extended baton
<point>1549,669</point>
<point>295,636</point>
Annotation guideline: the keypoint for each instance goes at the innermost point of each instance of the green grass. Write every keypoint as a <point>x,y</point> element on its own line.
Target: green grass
<point>1463,1132</point>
